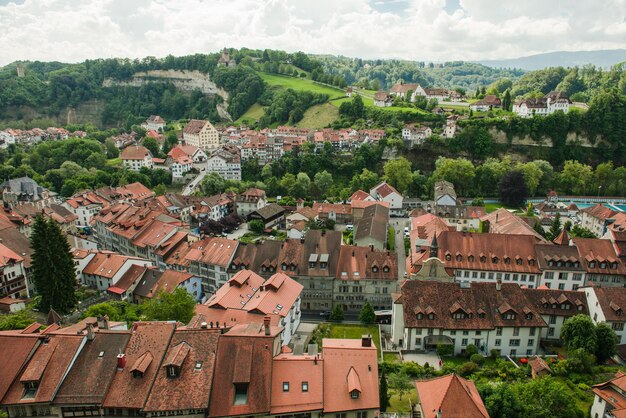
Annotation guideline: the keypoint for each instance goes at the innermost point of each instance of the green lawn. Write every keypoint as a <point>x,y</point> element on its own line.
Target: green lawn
<point>253,114</point>
<point>401,405</point>
<point>391,358</point>
<point>356,332</point>
<point>300,84</point>
<point>319,116</point>
<point>114,162</point>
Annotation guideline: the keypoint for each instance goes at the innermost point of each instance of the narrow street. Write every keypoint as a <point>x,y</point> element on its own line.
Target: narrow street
<point>399,224</point>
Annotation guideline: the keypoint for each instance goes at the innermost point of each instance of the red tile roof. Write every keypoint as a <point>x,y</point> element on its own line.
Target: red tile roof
<point>93,370</point>
<point>14,351</point>
<point>349,366</point>
<point>384,189</point>
<point>612,301</point>
<point>48,366</point>
<point>360,195</point>
<point>360,263</point>
<point>452,395</point>
<point>215,251</point>
<point>243,359</point>
<point>169,281</point>
<point>131,392</point>
<point>538,364</point>
<point>8,256</point>
<point>135,152</point>
<point>194,126</point>
<point>504,222</point>
<point>193,351</point>
<point>593,253</point>
<point>599,211</point>
<point>611,391</point>
<point>482,304</point>
<point>296,369</point>
<point>106,264</point>
<point>332,207</point>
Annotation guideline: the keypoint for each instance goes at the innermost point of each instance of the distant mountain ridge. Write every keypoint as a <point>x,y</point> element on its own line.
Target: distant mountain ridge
<point>604,58</point>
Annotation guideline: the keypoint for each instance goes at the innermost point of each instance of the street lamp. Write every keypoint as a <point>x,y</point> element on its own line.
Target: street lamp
<point>599,187</point>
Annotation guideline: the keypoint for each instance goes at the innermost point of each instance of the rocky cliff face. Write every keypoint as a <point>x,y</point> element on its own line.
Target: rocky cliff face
<point>500,137</point>
<point>182,80</point>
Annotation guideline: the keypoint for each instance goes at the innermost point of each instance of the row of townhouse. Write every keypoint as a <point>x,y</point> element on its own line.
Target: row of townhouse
<point>491,316</point>
<point>35,135</point>
<point>412,90</point>
<point>542,106</point>
<point>565,264</point>
<point>269,145</point>
<point>164,369</point>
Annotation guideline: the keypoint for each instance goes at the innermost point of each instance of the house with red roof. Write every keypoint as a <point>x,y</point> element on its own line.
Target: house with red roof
<point>385,192</point>
<point>135,157</point>
<point>449,396</point>
<point>610,397</point>
<point>250,200</point>
<point>279,295</point>
<point>597,218</point>
<point>103,269</point>
<point>13,281</point>
<point>154,123</point>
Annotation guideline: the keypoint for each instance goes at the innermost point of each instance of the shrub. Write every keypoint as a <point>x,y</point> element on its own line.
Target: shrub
<point>471,350</point>
<point>468,368</point>
<point>445,350</point>
<point>477,358</point>
<point>583,387</point>
<point>413,369</point>
<point>495,353</point>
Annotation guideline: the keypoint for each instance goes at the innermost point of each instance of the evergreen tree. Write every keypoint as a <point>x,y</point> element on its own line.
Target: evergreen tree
<point>555,228</point>
<point>383,392</point>
<point>539,229</point>
<point>506,100</point>
<point>337,314</point>
<point>367,316</point>
<point>53,266</point>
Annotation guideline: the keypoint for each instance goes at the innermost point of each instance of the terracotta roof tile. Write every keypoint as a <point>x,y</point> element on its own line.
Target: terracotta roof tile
<point>452,395</point>
<point>135,152</point>
<point>14,351</point>
<point>297,370</point>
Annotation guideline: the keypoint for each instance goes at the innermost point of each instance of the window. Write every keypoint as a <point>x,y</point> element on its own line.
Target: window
<point>553,319</point>
<point>498,331</point>
<point>361,414</point>
<point>431,316</point>
<point>529,316</point>
<point>532,332</point>
<point>305,386</point>
<point>464,342</point>
<point>285,386</point>
<point>515,331</point>
<point>561,286</point>
<point>498,342</point>
<point>529,352</point>
<point>341,415</point>
<point>241,394</point>
<point>513,352</point>
<point>355,394</point>
<point>465,332</point>
<point>549,275</point>
<point>617,326</point>
<point>531,342</point>
<point>514,342</point>
<point>551,332</point>
<point>453,332</point>
<point>509,315</point>
<point>418,331</point>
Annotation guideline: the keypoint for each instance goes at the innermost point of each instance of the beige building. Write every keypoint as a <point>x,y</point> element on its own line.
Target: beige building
<point>201,134</point>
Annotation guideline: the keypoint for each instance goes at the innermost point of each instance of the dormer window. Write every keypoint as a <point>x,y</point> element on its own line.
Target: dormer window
<point>507,260</point>
<point>481,315</point>
<point>565,306</point>
<point>483,258</point>
<point>518,261</point>
<point>613,265</point>
<point>420,316</point>
<point>386,269</point>
<point>592,264</point>
<point>509,315</point>
<point>375,269</point>
<point>603,265</point>
<point>30,389</point>
<point>458,315</point>
<point>172,371</point>
<point>284,266</point>
<point>470,258</point>
<point>355,394</point>
<point>529,316</point>
<point>459,257</point>
<point>494,260</point>
<point>241,394</point>
<point>431,316</point>
<point>448,257</point>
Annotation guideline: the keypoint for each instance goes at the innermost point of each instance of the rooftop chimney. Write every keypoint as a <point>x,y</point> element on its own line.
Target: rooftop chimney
<point>266,325</point>
<point>498,284</point>
<point>90,334</point>
<point>204,325</point>
<point>121,361</point>
<point>366,341</point>
<point>105,322</point>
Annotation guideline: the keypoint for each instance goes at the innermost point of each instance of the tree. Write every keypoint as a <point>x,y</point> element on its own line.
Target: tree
<point>459,171</point>
<point>367,316</point>
<point>160,189</point>
<point>383,392</point>
<point>512,189</point>
<point>506,100</point>
<point>53,266</point>
<point>256,225</point>
<point>398,173</point>
<point>556,227</point>
<point>547,397</point>
<point>337,314</point>
<point>607,342</point>
<point>18,320</point>
<point>324,181</point>
<point>539,229</point>
<point>176,306</point>
<point>400,382</point>
<point>111,150</point>
<point>578,231</point>
<point>503,402</point>
<point>152,145</point>
<point>212,184</point>
<point>579,332</point>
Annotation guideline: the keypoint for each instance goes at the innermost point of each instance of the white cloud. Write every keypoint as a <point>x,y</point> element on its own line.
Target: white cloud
<point>69,30</point>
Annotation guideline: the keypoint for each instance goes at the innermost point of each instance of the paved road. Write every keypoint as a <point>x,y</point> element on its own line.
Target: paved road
<point>190,188</point>
<point>243,228</point>
<point>399,224</point>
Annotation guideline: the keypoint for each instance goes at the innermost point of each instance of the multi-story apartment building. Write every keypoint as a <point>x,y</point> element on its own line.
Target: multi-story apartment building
<point>201,134</point>
<point>607,304</point>
<point>226,163</point>
<point>13,282</point>
<point>135,157</point>
<point>103,269</point>
<point>250,201</point>
<point>597,219</point>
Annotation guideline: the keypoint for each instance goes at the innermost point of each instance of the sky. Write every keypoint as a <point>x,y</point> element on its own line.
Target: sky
<point>424,30</point>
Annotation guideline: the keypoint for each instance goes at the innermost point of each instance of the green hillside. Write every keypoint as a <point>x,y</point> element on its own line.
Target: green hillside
<point>301,84</point>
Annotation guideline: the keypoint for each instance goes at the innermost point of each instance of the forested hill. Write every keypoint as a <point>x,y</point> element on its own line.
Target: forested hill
<point>603,59</point>
<point>53,90</point>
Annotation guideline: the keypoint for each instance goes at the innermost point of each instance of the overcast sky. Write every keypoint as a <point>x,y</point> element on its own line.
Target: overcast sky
<point>437,30</point>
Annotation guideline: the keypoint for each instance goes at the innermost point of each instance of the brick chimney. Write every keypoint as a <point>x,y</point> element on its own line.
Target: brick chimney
<point>266,325</point>
<point>90,334</point>
<point>366,340</point>
<point>121,361</point>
